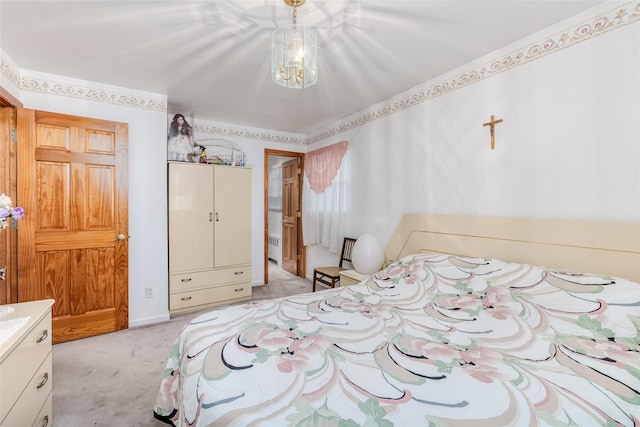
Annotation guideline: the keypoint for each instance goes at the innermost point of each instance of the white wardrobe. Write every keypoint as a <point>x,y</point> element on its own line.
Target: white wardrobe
<point>209,235</point>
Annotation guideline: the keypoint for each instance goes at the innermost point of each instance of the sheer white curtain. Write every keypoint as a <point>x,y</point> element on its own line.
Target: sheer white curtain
<point>275,181</point>
<point>324,196</point>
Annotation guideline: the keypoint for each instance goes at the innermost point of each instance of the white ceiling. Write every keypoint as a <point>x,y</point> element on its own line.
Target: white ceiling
<point>213,57</point>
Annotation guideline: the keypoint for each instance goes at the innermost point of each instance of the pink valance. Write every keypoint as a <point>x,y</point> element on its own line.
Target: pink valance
<point>322,165</point>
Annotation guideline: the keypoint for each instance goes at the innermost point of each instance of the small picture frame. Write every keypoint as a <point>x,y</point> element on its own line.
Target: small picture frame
<point>180,139</point>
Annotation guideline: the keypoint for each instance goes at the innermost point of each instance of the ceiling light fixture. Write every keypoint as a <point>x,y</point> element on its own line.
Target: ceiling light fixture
<point>294,53</point>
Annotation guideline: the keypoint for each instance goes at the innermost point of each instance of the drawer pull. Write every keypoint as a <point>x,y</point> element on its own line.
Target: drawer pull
<point>186,280</point>
<point>43,381</point>
<point>45,421</point>
<point>239,289</point>
<point>237,273</point>
<point>43,336</point>
<point>185,298</point>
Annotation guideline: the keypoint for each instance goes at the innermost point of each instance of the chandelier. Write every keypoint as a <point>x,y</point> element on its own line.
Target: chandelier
<point>294,53</point>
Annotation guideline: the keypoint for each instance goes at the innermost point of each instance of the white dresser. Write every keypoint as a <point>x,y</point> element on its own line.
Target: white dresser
<point>25,364</point>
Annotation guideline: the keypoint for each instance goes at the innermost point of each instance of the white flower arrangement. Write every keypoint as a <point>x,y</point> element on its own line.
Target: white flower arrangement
<point>7,211</point>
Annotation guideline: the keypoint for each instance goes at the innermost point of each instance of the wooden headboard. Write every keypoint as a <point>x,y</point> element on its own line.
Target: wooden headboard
<point>597,247</point>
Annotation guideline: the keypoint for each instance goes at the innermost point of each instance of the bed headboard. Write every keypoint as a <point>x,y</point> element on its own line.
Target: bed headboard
<point>598,247</point>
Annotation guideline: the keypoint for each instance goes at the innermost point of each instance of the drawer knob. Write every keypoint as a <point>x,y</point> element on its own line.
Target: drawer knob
<point>185,298</point>
<point>43,381</point>
<point>43,336</point>
<point>45,421</point>
<point>186,280</point>
<point>239,289</point>
<point>237,273</point>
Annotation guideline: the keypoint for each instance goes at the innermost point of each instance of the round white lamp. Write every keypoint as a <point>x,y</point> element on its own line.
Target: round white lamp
<point>367,256</point>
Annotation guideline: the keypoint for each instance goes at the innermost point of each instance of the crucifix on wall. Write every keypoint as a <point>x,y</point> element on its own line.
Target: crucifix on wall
<point>491,125</point>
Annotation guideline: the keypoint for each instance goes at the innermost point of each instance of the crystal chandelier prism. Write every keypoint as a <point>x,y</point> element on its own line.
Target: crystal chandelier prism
<point>294,53</point>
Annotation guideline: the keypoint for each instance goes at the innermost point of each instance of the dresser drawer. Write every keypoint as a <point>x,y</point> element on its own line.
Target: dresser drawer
<point>45,417</point>
<point>18,369</point>
<point>200,279</point>
<point>217,294</point>
<point>35,394</point>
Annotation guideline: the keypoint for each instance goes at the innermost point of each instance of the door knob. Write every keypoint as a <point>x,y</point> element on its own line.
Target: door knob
<point>121,238</point>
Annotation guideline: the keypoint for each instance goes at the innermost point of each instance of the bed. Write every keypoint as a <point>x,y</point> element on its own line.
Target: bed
<point>477,322</point>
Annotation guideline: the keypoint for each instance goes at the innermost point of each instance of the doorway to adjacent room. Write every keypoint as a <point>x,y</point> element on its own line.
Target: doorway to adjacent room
<point>283,174</point>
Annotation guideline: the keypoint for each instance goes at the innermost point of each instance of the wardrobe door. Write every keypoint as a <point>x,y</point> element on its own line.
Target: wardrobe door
<point>232,189</point>
<point>190,217</point>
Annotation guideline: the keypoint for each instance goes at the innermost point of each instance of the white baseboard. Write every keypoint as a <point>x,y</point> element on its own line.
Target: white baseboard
<point>149,321</point>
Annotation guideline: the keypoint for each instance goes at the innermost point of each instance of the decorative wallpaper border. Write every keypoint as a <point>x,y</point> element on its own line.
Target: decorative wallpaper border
<point>616,18</point>
<point>248,134</point>
<point>9,70</point>
<point>74,91</point>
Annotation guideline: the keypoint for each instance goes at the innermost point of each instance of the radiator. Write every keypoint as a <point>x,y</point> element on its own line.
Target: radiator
<point>275,249</point>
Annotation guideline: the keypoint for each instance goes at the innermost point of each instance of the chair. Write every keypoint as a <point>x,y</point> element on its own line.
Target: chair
<point>331,275</point>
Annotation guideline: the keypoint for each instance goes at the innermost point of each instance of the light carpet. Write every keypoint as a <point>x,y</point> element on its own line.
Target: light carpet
<point>113,379</point>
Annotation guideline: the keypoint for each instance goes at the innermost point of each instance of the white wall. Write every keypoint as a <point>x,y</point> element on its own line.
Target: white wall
<point>569,146</point>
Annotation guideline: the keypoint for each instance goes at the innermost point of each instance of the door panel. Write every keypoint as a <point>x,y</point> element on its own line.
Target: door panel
<point>72,175</point>
<point>190,217</point>
<point>290,210</point>
<point>233,216</point>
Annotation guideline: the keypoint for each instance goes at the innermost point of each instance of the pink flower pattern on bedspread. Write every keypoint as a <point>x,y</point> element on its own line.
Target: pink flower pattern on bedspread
<point>432,340</point>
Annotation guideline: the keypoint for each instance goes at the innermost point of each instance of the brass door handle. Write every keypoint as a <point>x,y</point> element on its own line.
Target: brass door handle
<point>121,238</point>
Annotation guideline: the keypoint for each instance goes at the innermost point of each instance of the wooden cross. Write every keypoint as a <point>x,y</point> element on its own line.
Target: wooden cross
<point>491,125</point>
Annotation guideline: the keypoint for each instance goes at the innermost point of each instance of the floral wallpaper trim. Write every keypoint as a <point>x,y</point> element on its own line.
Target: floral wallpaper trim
<point>9,69</point>
<point>100,95</point>
<point>260,135</point>
<point>613,19</point>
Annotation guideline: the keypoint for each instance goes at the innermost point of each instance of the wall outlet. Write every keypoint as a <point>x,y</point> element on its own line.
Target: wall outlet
<point>148,293</point>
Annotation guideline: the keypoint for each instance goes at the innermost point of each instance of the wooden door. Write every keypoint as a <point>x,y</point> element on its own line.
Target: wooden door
<point>232,201</point>
<point>190,217</point>
<point>8,237</point>
<point>290,218</point>
<point>72,242</point>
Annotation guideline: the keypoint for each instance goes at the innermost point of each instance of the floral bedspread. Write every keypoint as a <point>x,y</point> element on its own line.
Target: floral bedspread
<point>432,340</point>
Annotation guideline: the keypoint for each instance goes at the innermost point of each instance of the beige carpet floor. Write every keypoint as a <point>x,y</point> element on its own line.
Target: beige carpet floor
<point>112,379</point>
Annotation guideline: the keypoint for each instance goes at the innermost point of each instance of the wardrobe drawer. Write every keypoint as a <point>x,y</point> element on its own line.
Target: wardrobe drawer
<point>19,367</point>
<point>37,391</point>
<point>199,279</point>
<point>216,294</point>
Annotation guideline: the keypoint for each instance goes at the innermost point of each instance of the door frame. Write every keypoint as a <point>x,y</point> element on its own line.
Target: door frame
<point>302,250</point>
<point>8,184</point>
